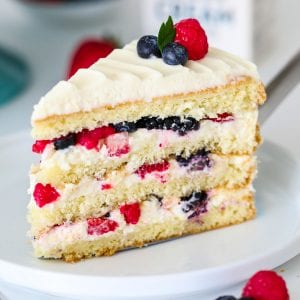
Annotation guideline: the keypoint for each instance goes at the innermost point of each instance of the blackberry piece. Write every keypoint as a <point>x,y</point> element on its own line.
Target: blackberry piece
<point>147,46</point>
<point>227,298</point>
<point>125,127</point>
<point>65,141</point>
<point>174,54</point>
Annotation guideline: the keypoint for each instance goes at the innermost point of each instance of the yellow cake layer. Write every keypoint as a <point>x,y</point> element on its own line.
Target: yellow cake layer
<point>225,207</point>
<point>243,94</point>
<point>85,199</point>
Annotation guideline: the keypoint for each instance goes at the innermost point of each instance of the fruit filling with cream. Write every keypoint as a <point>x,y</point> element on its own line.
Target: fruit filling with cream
<point>115,136</point>
<point>160,171</point>
<point>152,210</point>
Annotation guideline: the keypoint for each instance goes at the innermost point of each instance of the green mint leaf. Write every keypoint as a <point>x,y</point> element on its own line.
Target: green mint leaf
<point>166,34</point>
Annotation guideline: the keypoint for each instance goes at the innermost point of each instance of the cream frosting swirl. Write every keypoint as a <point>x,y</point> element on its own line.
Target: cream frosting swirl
<point>123,77</point>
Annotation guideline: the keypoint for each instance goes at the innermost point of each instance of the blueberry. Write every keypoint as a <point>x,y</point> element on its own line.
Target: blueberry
<point>65,142</point>
<point>174,54</point>
<point>176,124</point>
<point>194,203</point>
<point>182,161</point>
<point>147,46</point>
<point>226,298</point>
<point>141,123</point>
<point>160,123</point>
<point>168,122</point>
<point>151,123</point>
<point>107,215</point>
<point>246,298</point>
<point>188,124</point>
<point>125,127</point>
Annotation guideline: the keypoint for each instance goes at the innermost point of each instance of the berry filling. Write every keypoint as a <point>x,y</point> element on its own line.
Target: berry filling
<point>99,226</point>
<point>106,186</point>
<point>194,204</point>
<point>90,138</point>
<point>195,162</point>
<point>115,136</point>
<point>44,194</point>
<point>131,213</point>
<point>39,146</point>
<point>222,118</point>
<point>150,168</point>
<point>117,144</point>
<point>65,141</point>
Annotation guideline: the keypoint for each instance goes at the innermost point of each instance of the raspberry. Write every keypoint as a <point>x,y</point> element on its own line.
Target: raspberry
<point>117,144</point>
<point>222,118</point>
<point>266,285</point>
<point>158,167</point>
<point>39,146</point>
<point>106,186</point>
<point>131,212</point>
<point>99,226</point>
<point>191,35</point>
<point>90,138</point>
<point>44,194</point>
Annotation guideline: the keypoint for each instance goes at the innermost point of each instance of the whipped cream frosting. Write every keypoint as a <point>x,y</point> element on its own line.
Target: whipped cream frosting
<point>124,77</point>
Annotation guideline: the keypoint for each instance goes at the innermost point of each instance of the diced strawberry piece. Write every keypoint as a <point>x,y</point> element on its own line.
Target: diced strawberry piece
<point>106,186</point>
<point>40,145</point>
<point>99,226</point>
<point>118,144</point>
<point>158,167</point>
<point>44,194</point>
<point>131,212</point>
<point>90,138</point>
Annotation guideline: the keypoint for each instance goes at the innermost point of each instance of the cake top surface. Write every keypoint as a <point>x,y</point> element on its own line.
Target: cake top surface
<point>125,77</point>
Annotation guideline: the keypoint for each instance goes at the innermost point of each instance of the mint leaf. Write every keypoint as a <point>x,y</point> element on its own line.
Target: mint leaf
<point>166,34</point>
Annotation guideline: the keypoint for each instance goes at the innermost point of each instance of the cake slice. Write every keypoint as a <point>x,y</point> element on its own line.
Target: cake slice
<point>136,149</point>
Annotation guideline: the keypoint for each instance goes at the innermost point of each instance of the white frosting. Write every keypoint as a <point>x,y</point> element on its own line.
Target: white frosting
<point>123,76</point>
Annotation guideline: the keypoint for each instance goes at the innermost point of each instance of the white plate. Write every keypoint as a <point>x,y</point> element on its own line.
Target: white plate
<point>196,263</point>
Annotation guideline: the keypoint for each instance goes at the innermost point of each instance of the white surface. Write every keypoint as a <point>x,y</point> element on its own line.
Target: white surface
<point>182,266</point>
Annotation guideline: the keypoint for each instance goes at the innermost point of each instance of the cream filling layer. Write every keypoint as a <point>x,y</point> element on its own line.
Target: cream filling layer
<point>125,181</point>
<point>152,212</point>
<point>124,77</point>
<point>156,143</point>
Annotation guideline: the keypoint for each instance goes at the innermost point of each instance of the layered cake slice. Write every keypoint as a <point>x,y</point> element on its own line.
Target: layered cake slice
<point>155,141</point>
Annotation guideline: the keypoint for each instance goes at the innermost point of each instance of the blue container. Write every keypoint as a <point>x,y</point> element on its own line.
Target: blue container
<point>14,75</point>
